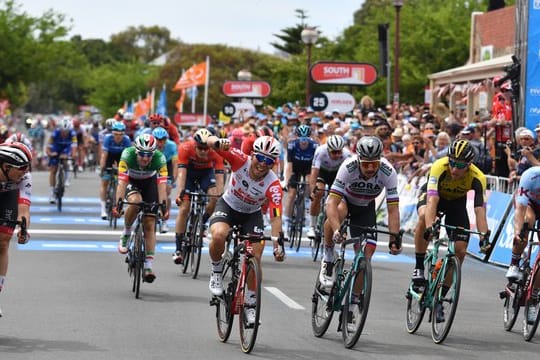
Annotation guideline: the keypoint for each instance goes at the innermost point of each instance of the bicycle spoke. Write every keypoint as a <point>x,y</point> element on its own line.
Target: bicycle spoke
<point>321,309</point>
<point>415,308</point>
<point>531,310</point>
<point>224,311</point>
<point>446,299</point>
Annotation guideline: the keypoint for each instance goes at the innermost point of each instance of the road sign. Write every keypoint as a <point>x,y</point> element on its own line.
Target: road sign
<point>341,73</point>
<point>237,109</point>
<point>330,101</point>
<point>249,89</point>
<point>228,109</point>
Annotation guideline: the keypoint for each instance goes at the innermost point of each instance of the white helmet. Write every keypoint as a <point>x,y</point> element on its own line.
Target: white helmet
<point>128,115</point>
<point>65,123</point>
<point>201,136</point>
<point>335,143</point>
<point>267,145</point>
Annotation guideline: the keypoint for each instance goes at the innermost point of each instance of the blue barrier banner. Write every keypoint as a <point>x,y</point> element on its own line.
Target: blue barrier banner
<point>497,205</point>
<point>532,82</point>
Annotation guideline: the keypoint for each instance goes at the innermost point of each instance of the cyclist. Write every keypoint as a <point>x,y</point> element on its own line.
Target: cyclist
<point>449,180</point>
<point>81,143</point>
<point>142,176</point>
<point>112,147</point>
<point>328,157</point>
<point>169,149</point>
<point>131,125</point>
<point>300,153</point>
<point>197,164</point>
<point>62,144</point>
<point>526,210</point>
<point>20,138</point>
<point>252,183</point>
<point>15,195</point>
<point>359,180</point>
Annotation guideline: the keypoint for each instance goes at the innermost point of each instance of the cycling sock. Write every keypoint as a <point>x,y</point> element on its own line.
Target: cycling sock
<point>314,221</point>
<point>179,237</point>
<point>329,254</point>
<point>127,230</point>
<point>515,259</point>
<point>420,260</point>
<point>217,267</point>
<point>149,260</point>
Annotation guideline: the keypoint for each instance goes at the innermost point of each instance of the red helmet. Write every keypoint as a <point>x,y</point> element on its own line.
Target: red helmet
<point>76,122</point>
<point>156,117</point>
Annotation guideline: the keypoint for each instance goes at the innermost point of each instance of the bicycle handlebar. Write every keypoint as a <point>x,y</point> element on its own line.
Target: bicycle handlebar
<point>23,233</point>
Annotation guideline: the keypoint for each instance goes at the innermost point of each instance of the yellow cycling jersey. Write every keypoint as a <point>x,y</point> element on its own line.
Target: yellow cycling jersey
<point>441,183</point>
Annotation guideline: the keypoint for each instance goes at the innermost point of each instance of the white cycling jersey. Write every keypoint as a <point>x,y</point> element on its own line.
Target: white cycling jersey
<point>358,191</point>
<point>24,187</point>
<point>246,195</point>
<point>323,161</point>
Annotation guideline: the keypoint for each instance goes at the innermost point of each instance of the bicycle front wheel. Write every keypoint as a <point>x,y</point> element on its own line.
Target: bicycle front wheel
<point>315,245</point>
<point>197,245</point>
<point>356,305</point>
<point>188,244</point>
<point>251,307</point>
<point>531,312</point>
<point>292,227</point>
<point>300,218</point>
<point>224,311</point>
<point>138,253</point>
<point>512,296</point>
<point>415,309</point>
<point>446,299</point>
<point>322,307</point>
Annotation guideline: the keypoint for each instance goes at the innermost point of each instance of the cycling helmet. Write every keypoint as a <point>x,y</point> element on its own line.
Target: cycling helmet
<point>128,115</point>
<point>15,154</point>
<point>222,134</point>
<point>160,133</point>
<point>303,131</point>
<point>267,145</point>
<point>109,123</point>
<point>237,133</point>
<point>201,136</point>
<point>335,143</point>
<point>117,126</point>
<point>145,143</point>
<point>18,137</point>
<point>369,148</point>
<point>461,150</point>
<point>156,117</point>
<point>65,123</point>
<point>265,131</point>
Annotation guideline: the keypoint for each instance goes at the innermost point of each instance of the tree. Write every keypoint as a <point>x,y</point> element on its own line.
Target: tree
<point>292,36</point>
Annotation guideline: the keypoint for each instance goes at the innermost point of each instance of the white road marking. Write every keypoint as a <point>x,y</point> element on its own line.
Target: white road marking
<point>82,232</point>
<point>284,298</point>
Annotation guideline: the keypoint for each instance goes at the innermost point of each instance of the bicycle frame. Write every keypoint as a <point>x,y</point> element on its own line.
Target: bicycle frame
<point>297,220</point>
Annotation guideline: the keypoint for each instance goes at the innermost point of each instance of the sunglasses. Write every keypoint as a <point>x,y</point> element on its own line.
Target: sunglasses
<point>457,164</point>
<point>145,154</point>
<point>155,123</point>
<point>367,163</point>
<point>20,168</point>
<point>265,159</point>
<point>203,148</point>
<point>336,152</point>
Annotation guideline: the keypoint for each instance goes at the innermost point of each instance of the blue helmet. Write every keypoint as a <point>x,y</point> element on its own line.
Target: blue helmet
<point>118,126</point>
<point>160,133</point>
<point>303,131</point>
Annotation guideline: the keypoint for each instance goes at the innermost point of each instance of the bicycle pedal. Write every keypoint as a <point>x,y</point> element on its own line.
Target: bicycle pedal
<point>214,301</point>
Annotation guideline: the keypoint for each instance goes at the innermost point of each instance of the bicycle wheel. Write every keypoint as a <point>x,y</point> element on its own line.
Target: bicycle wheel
<point>529,327</point>
<point>138,253</point>
<point>301,218</point>
<point>292,226</point>
<point>415,309</point>
<point>248,331</point>
<point>315,245</point>
<point>446,297</point>
<point>356,306</point>
<point>322,307</point>
<point>59,191</point>
<point>224,311</point>
<point>512,296</point>
<point>188,242</point>
<point>197,245</point>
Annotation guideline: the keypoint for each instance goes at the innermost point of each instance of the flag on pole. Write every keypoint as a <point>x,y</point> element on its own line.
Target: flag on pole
<point>162,102</point>
<point>180,102</point>
<point>195,75</point>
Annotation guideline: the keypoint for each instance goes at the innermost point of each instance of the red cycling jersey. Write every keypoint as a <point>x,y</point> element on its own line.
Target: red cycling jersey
<point>188,158</point>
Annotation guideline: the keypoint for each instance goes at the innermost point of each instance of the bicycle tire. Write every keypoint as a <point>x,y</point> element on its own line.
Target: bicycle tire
<point>356,311</point>
<point>415,310</point>
<point>248,332</point>
<point>322,309</point>
<point>529,328</point>
<point>440,329</point>
<point>138,260</point>
<point>301,211</point>
<point>511,306</point>
<point>186,250</point>
<point>315,246</point>
<point>197,248</point>
<point>59,188</point>
<point>224,311</point>
<point>292,228</point>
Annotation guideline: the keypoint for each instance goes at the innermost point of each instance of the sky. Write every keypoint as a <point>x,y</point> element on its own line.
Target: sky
<point>243,23</point>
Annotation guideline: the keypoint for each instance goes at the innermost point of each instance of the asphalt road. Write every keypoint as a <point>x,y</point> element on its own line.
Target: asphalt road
<point>68,295</point>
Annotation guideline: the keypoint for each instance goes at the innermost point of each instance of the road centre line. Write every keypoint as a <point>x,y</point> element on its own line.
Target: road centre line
<point>284,298</point>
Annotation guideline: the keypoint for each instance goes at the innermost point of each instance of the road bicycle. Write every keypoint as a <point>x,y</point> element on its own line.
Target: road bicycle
<point>238,266</point>
<point>136,245</point>
<point>316,242</point>
<point>351,292</point>
<point>195,229</point>
<point>111,195</point>
<point>61,173</point>
<point>298,216</point>
<point>440,293</point>
<point>523,292</point>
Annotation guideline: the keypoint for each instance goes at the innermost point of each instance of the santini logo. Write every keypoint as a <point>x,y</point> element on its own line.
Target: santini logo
<point>534,91</point>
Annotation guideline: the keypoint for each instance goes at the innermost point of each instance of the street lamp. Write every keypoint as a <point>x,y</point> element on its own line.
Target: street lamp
<point>397,5</point>
<point>244,75</point>
<point>309,37</point>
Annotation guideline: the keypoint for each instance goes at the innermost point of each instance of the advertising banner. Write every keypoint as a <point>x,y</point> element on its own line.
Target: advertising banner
<point>532,82</point>
<point>341,73</point>
<point>248,89</point>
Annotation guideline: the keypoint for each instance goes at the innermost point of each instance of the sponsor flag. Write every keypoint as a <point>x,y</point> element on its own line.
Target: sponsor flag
<point>162,102</point>
<point>195,75</point>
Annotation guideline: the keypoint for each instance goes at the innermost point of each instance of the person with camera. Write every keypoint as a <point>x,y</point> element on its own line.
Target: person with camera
<point>527,154</point>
